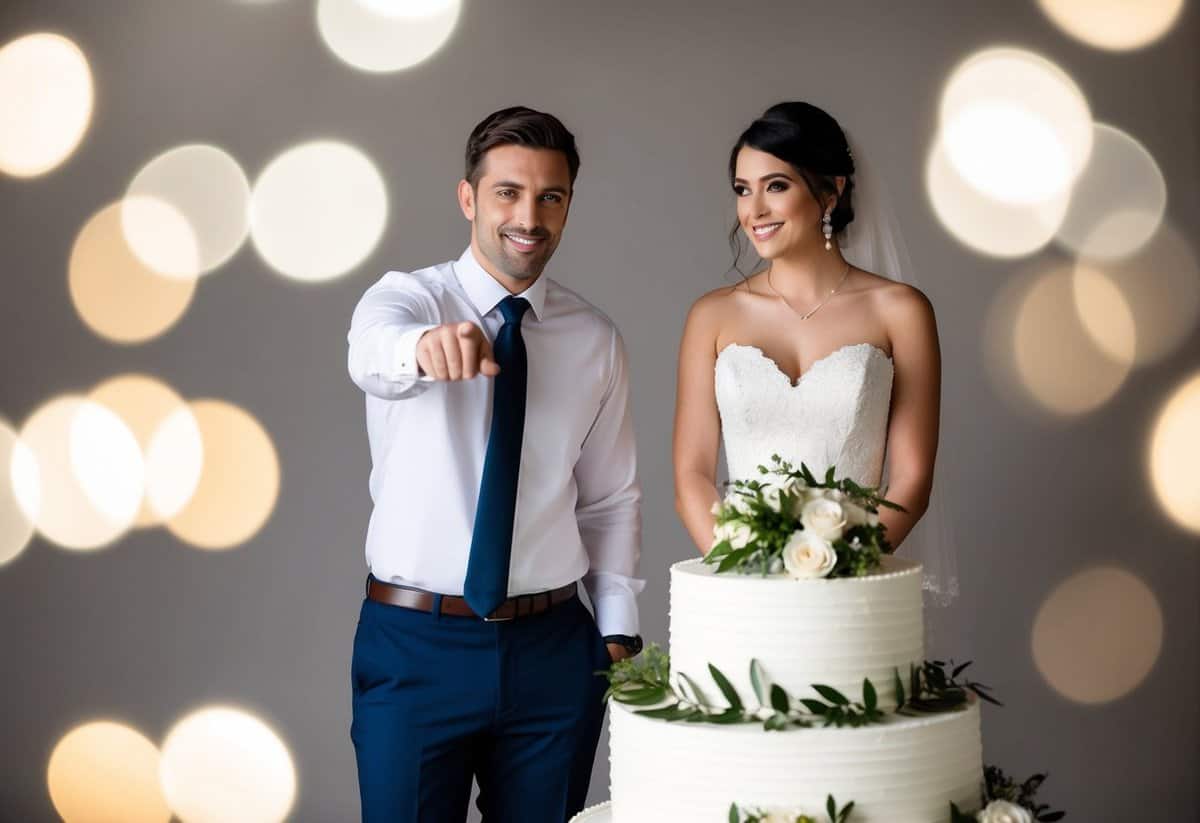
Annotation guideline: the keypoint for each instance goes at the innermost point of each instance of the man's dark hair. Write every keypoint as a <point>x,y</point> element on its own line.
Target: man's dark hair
<point>519,126</point>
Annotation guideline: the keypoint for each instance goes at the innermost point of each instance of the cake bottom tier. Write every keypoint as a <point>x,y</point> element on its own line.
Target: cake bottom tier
<point>907,770</point>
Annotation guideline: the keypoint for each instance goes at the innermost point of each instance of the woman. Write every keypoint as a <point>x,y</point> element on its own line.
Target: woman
<point>810,357</point>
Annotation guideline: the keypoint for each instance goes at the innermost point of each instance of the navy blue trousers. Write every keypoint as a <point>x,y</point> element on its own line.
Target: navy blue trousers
<point>440,699</point>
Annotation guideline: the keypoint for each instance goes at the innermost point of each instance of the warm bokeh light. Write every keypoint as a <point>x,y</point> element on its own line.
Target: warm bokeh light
<point>1118,201</point>
<point>386,35</point>
<point>984,224</point>
<point>1175,454</point>
<point>1161,285</point>
<point>207,188</point>
<point>239,483</point>
<point>89,473</point>
<point>1056,359</point>
<point>224,764</point>
<point>1116,25</point>
<point>1098,635</point>
<point>105,772</point>
<point>1105,314</point>
<point>45,103</point>
<point>318,210</point>
<point>169,437</point>
<point>16,527</point>
<point>1015,126</point>
<point>115,293</point>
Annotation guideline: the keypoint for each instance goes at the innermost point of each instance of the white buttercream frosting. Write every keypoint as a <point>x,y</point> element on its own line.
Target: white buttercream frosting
<point>907,770</point>
<point>831,632</point>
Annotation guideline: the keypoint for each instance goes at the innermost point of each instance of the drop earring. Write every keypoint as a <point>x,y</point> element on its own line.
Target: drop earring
<point>827,228</point>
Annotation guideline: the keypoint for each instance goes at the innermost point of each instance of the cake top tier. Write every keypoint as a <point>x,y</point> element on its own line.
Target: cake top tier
<point>696,569</point>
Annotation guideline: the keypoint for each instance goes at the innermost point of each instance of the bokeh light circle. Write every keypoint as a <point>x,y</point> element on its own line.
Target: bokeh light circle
<point>318,210</point>
<point>986,225</point>
<point>1015,126</point>
<point>168,435</point>
<point>1115,25</point>
<point>1160,283</point>
<point>209,190</point>
<point>118,296</point>
<point>16,520</point>
<point>1098,635</point>
<point>1118,201</point>
<point>239,481</point>
<point>90,474</point>
<point>386,35</point>
<point>1175,453</point>
<point>105,772</point>
<point>223,764</point>
<point>46,100</point>
<point>1058,363</point>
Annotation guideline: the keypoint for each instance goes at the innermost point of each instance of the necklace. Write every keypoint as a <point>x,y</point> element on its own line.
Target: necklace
<point>814,309</point>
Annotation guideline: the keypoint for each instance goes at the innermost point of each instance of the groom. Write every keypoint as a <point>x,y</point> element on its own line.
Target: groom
<point>503,477</point>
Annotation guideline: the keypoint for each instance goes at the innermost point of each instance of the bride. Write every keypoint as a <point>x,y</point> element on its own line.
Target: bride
<point>810,357</point>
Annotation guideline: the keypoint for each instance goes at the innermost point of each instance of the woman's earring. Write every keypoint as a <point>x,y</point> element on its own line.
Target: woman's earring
<point>827,223</point>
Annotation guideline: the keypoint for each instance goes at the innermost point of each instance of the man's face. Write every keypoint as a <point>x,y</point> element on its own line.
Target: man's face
<point>517,210</point>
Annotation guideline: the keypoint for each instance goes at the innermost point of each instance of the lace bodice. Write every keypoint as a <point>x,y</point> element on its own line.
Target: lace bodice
<point>835,415</point>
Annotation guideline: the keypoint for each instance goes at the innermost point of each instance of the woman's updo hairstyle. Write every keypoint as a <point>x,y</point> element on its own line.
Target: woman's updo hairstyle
<point>814,144</point>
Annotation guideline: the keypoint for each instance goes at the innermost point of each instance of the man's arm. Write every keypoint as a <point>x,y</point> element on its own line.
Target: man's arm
<point>609,505</point>
<point>388,322</point>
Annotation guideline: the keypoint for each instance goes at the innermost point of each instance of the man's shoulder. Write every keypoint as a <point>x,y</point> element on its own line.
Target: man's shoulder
<point>433,279</point>
<point>569,302</point>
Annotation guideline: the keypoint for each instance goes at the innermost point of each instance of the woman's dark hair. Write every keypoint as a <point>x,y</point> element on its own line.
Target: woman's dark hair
<point>813,143</point>
<point>519,126</point>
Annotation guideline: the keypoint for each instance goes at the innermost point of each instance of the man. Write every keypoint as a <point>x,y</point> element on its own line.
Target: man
<point>503,475</point>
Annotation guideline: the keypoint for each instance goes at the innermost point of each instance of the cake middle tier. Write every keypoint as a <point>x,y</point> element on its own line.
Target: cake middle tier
<point>829,632</point>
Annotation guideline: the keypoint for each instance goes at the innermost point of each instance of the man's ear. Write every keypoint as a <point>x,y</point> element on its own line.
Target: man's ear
<point>466,199</point>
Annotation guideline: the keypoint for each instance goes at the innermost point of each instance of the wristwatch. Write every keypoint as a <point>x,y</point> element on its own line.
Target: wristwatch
<point>632,643</point>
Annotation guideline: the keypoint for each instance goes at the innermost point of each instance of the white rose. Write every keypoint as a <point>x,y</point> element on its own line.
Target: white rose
<point>1001,811</point>
<point>737,533</point>
<point>825,517</point>
<point>773,490</point>
<point>808,555</point>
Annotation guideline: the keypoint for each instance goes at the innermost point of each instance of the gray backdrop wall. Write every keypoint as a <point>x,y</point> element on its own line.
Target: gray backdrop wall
<point>656,92</point>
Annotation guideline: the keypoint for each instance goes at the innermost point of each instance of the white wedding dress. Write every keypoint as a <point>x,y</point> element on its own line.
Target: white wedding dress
<point>835,414</point>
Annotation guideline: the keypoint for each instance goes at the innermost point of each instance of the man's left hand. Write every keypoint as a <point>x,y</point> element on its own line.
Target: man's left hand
<point>617,652</point>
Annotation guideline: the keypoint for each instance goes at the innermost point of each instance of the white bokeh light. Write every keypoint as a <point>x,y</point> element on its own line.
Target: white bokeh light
<point>89,473</point>
<point>46,100</point>
<point>986,225</point>
<point>16,524</point>
<point>386,35</point>
<point>1118,202</point>
<point>209,191</point>
<point>223,764</point>
<point>1116,25</point>
<point>1015,126</point>
<point>318,210</point>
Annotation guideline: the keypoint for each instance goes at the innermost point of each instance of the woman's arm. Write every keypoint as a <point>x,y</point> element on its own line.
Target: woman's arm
<point>916,404</point>
<point>697,423</point>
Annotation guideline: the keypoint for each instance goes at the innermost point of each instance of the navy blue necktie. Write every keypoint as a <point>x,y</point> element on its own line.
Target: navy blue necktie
<point>486,586</point>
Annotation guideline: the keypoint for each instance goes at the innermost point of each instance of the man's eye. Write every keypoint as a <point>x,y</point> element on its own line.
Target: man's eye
<point>505,193</point>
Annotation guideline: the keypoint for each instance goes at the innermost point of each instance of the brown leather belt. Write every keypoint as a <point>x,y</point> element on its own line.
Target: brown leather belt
<point>522,605</point>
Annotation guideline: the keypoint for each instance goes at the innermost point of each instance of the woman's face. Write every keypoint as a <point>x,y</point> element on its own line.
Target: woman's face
<point>775,208</point>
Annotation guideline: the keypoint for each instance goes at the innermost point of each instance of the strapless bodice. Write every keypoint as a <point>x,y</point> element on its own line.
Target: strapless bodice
<point>836,414</point>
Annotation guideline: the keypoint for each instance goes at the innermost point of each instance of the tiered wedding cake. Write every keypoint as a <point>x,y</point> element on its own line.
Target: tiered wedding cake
<point>833,632</point>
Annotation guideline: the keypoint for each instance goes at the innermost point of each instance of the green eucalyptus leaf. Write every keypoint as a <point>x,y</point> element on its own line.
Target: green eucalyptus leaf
<point>831,694</point>
<point>780,701</point>
<point>727,689</point>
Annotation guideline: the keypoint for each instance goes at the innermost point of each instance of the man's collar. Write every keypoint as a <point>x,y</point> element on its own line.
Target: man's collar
<point>486,292</point>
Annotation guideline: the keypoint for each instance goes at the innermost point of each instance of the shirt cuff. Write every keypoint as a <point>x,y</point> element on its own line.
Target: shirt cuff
<point>616,613</point>
<point>405,353</point>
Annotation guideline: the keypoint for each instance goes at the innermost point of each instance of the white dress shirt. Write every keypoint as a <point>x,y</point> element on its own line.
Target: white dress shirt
<point>578,512</point>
